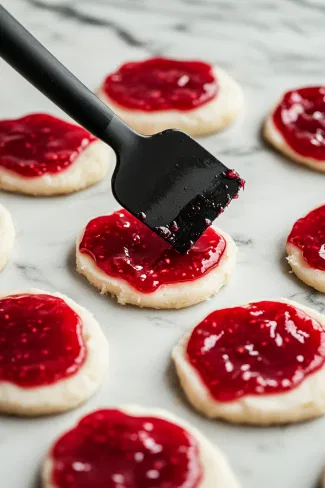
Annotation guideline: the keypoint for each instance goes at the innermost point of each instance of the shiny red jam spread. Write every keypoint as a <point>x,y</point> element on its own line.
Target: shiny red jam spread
<point>111,449</point>
<point>263,348</point>
<point>300,117</point>
<point>125,248</point>
<point>40,340</point>
<point>308,234</point>
<point>39,143</point>
<point>162,84</point>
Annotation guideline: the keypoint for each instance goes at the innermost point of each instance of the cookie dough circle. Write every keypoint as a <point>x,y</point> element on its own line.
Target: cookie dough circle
<point>211,117</point>
<point>89,167</point>
<point>306,401</point>
<point>313,277</point>
<point>167,296</point>
<point>66,393</point>
<point>216,470</point>
<point>274,136</point>
<point>7,236</point>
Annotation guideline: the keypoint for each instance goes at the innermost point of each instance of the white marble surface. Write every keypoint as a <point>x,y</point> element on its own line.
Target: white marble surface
<point>268,46</point>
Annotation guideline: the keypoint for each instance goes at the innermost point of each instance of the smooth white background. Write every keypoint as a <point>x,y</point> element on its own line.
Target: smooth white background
<point>268,46</point>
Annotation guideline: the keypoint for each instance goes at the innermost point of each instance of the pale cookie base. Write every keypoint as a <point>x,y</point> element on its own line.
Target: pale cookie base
<point>312,277</point>
<point>166,296</point>
<point>274,137</point>
<point>67,393</point>
<point>7,236</point>
<point>216,470</point>
<point>89,168</point>
<point>207,119</point>
<point>304,402</point>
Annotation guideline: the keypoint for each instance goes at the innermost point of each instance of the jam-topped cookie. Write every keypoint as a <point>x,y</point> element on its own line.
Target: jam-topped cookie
<point>120,255</point>
<point>52,353</point>
<point>296,127</point>
<point>259,363</point>
<point>306,248</point>
<point>134,447</point>
<point>43,155</point>
<point>161,93</point>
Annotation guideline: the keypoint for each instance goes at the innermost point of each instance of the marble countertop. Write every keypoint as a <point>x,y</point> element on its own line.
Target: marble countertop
<point>268,46</point>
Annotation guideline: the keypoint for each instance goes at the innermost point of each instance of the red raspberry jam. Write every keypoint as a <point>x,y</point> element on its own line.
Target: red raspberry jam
<point>40,340</point>
<point>110,449</point>
<point>308,234</point>
<point>39,143</point>
<point>162,84</point>
<point>125,248</point>
<point>300,117</point>
<point>263,348</point>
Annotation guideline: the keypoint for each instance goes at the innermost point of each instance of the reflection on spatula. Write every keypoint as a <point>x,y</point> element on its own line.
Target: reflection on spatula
<point>167,180</point>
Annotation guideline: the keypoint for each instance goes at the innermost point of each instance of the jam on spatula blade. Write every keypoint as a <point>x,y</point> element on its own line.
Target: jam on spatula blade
<point>175,186</point>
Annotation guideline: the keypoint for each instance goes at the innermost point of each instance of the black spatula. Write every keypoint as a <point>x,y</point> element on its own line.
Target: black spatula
<point>167,180</point>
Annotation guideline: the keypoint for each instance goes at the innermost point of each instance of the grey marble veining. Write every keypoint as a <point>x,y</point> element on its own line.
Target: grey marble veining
<point>268,46</point>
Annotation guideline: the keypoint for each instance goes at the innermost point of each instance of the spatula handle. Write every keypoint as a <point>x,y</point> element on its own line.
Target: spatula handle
<point>35,63</point>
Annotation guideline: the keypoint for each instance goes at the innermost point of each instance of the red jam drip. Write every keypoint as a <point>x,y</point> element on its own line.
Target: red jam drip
<point>264,348</point>
<point>308,234</point>
<point>162,84</point>
<point>39,143</point>
<point>125,248</point>
<point>40,340</point>
<point>110,449</point>
<point>300,117</point>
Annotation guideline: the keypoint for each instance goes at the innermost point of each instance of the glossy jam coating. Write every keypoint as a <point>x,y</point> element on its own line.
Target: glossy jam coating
<point>40,340</point>
<point>123,247</point>
<point>308,234</point>
<point>300,117</point>
<point>110,449</point>
<point>264,348</point>
<point>162,84</point>
<point>39,143</point>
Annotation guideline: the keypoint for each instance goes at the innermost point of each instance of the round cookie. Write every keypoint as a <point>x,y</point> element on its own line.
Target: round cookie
<point>43,155</point>
<point>296,126</point>
<point>262,363</point>
<point>151,444</point>
<point>55,357</point>
<point>119,255</point>
<point>305,247</point>
<point>159,94</point>
<point>7,236</point>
